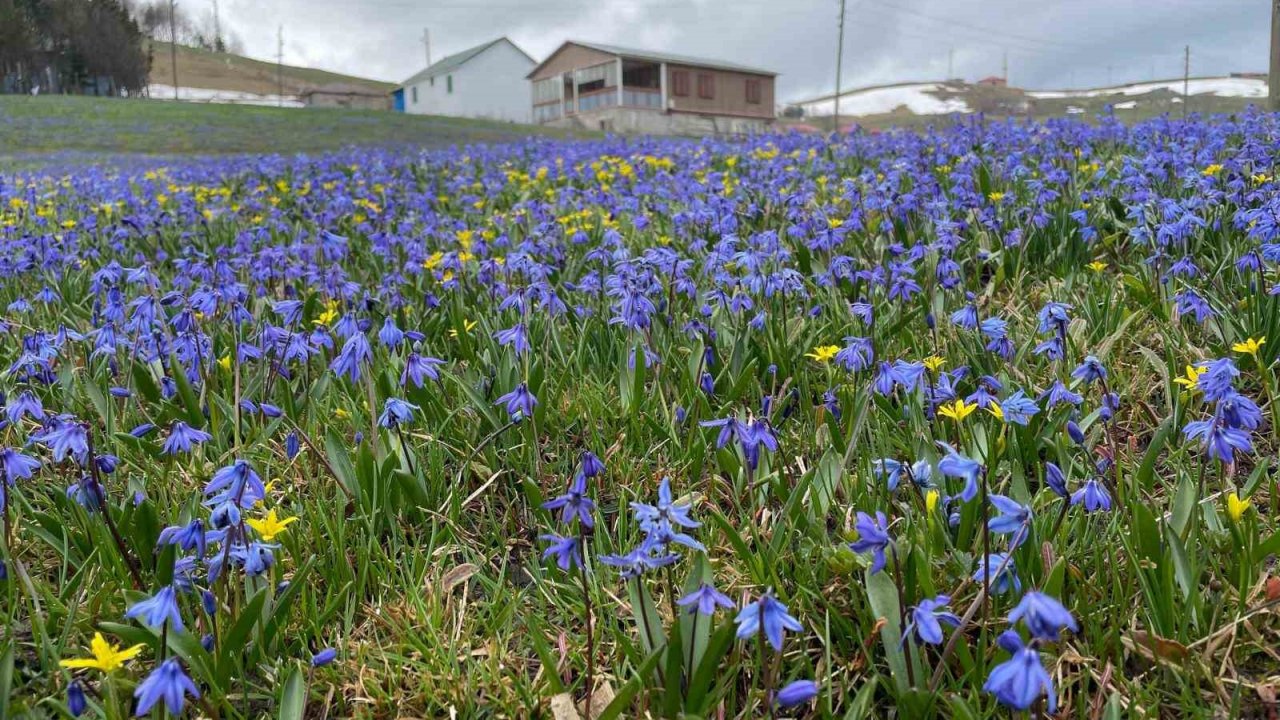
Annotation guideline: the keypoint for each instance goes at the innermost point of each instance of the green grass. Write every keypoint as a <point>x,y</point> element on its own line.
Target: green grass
<point>31,127</point>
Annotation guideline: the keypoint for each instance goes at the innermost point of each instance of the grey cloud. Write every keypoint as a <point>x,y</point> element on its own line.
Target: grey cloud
<point>1050,43</point>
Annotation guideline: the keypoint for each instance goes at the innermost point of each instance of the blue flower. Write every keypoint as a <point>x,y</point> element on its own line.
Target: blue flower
<point>157,609</point>
<point>1014,518</point>
<point>519,402</point>
<point>666,510</point>
<point>1056,481</point>
<point>1090,371</point>
<point>168,683</point>
<point>1019,681</point>
<point>873,537</point>
<point>417,368</point>
<point>1018,408</point>
<point>705,600</point>
<point>1006,575</point>
<point>590,465</point>
<point>958,466</point>
<point>355,354</point>
<point>16,466</point>
<point>767,616</point>
<point>515,336</point>
<point>1217,380</point>
<point>182,437</point>
<point>641,558</point>
<point>390,335</point>
<point>76,703</point>
<point>889,470</point>
<point>564,549</point>
<point>1093,495</point>
<point>927,619</point>
<point>65,436</point>
<point>1045,617</point>
<point>239,484</point>
<point>797,692</point>
<point>324,657</point>
<point>189,537</point>
<point>574,503</point>
<point>396,412</point>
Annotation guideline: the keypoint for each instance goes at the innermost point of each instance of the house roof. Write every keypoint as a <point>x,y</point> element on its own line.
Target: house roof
<point>652,56</point>
<point>456,60</point>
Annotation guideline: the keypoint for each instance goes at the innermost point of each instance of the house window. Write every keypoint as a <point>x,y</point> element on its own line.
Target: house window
<point>679,83</point>
<point>706,86</point>
<point>415,94</point>
<point>753,92</point>
<point>448,82</point>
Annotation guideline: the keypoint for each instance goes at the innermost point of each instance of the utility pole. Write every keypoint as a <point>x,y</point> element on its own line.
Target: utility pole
<point>426,42</point>
<point>217,29</point>
<point>1004,68</point>
<point>840,59</point>
<point>1186,79</point>
<point>280,66</point>
<point>173,46</point>
<point>1273,74</point>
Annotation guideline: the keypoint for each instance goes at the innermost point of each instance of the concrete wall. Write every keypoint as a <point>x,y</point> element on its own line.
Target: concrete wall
<point>490,85</point>
<point>729,96</point>
<point>633,121</point>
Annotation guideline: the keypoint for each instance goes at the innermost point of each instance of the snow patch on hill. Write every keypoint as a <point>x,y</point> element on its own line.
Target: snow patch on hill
<point>157,91</point>
<point>919,98</point>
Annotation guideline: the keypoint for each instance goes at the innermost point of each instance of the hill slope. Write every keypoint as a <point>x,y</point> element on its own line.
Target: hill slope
<point>235,73</point>
<point>923,102</point>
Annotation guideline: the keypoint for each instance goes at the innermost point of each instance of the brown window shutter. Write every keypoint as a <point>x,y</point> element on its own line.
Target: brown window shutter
<point>753,91</point>
<point>706,86</point>
<point>679,83</point>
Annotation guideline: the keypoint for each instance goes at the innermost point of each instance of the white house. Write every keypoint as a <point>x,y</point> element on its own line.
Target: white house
<point>486,81</point>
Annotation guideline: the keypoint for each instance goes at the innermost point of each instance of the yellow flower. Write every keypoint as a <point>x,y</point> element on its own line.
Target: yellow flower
<point>1212,170</point>
<point>1192,379</point>
<point>467,326</point>
<point>1250,346</point>
<point>958,411</point>
<point>1237,507</point>
<point>341,413</point>
<point>224,362</point>
<point>1097,266</point>
<point>106,657</point>
<point>833,223</point>
<point>823,353</point>
<point>995,197</point>
<point>933,362</point>
<point>433,260</point>
<point>270,526</point>
<point>995,410</point>
<point>931,502</point>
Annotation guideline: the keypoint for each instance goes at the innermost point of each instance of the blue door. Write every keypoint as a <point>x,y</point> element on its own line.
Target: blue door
<point>397,100</point>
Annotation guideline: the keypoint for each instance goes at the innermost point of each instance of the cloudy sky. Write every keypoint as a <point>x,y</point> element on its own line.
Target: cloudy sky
<point>1048,43</point>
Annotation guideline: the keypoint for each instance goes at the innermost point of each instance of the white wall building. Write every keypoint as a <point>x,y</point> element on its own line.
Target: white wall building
<point>486,81</point>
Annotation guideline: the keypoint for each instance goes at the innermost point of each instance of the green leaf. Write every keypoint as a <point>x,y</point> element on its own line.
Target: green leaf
<point>883,596</point>
<point>340,461</point>
<point>703,678</point>
<point>6,680</point>
<point>190,402</point>
<point>293,697</point>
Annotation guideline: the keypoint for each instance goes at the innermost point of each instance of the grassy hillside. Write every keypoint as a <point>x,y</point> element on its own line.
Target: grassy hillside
<point>32,127</point>
<point>223,71</point>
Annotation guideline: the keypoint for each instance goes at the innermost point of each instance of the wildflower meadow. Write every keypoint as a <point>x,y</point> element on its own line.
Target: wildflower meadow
<point>975,421</point>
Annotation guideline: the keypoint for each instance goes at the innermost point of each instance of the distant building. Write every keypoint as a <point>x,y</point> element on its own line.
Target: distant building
<point>345,95</point>
<point>616,89</point>
<point>993,81</point>
<point>486,81</point>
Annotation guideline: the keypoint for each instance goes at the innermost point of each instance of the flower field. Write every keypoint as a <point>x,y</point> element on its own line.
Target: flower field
<point>968,422</point>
